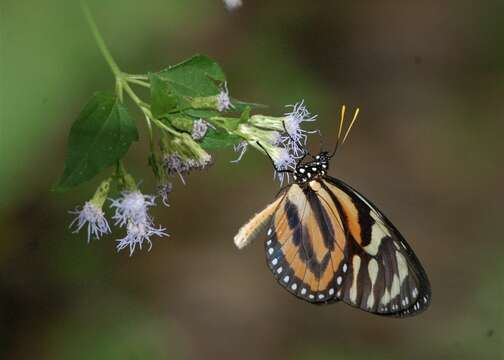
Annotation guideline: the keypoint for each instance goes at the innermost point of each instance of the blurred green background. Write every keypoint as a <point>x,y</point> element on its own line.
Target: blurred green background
<point>429,78</point>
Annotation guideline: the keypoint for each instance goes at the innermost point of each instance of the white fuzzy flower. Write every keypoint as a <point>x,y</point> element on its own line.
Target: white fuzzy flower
<point>137,234</point>
<point>233,4</point>
<point>163,191</point>
<point>240,148</point>
<point>295,139</point>
<point>223,100</point>
<point>94,217</point>
<point>283,160</point>
<point>131,211</point>
<point>199,130</point>
<point>132,206</point>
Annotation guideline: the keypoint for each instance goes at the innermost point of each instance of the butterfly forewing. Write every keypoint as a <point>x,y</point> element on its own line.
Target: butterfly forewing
<point>327,243</point>
<point>302,250</point>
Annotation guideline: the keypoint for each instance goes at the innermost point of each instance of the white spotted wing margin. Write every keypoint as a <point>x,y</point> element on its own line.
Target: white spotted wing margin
<point>301,247</point>
<point>385,276</point>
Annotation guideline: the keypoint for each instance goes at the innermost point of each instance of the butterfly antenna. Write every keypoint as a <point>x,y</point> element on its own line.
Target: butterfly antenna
<point>273,161</point>
<point>341,122</point>
<point>340,141</point>
<point>351,124</point>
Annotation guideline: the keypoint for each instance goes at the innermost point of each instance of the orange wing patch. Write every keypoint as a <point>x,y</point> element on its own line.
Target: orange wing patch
<point>351,212</point>
<point>305,245</point>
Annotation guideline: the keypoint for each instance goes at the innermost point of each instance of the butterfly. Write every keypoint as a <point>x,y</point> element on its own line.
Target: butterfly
<point>327,243</point>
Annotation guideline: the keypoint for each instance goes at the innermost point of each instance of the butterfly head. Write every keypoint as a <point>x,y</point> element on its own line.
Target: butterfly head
<point>311,170</point>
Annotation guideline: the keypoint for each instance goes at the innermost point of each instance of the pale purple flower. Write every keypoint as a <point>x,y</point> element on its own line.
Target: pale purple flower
<point>131,211</point>
<point>233,4</point>
<point>283,160</point>
<point>295,137</point>
<point>175,164</point>
<point>223,100</point>
<point>137,234</point>
<point>163,191</point>
<point>199,130</point>
<point>94,217</point>
<point>240,148</point>
<point>132,206</point>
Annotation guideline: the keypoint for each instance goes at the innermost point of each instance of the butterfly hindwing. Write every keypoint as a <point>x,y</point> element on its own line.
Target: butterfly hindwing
<point>386,276</point>
<point>326,243</point>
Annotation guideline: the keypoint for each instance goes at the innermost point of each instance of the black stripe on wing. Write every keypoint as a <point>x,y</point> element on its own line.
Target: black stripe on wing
<point>385,277</point>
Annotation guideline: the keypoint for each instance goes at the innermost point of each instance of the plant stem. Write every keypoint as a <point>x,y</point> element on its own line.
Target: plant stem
<point>137,77</point>
<point>123,79</point>
<point>100,42</point>
<point>138,82</point>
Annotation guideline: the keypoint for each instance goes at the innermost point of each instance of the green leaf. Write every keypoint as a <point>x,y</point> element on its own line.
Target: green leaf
<point>101,135</point>
<point>163,100</point>
<point>180,121</point>
<point>240,106</point>
<point>154,163</point>
<point>201,114</point>
<point>215,139</point>
<point>245,116</point>
<point>196,77</point>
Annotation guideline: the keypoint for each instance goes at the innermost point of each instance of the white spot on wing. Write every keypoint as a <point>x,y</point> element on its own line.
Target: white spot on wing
<point>294,286</point>
<point>331,291</point>
<point>274,261</point>
<point>373,271</point>
<point>279,270</point>
<point>356,261</point>
<point>385,298</point>
<point>339,280</point>
<point>370,300</point>
<point>270,231</point>
<point>402,266</point>
<point>303,291</point>
<point>270,251</point>
<point>377,234</point>
<point>286,279</point>
<point>395,288</point>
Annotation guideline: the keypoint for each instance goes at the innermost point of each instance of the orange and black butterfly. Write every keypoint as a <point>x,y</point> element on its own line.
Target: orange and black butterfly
<point>326,243</point>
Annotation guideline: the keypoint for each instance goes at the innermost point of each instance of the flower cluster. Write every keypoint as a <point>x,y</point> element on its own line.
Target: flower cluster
<point>131,211</point>
<point>281,138</point>
<point>189,113</point>
<point>92,215</point>
<point>183,154</point>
